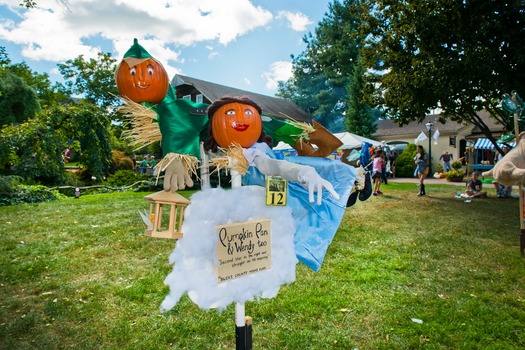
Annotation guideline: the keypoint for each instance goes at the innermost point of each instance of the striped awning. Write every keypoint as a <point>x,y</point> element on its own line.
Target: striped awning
<point>486,144</point>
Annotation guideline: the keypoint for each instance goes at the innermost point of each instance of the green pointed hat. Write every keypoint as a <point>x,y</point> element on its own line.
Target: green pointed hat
<point>137,51</point>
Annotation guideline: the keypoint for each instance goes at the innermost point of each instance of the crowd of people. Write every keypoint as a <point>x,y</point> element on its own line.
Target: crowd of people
<point>382,164</point>
<point>146,166</point>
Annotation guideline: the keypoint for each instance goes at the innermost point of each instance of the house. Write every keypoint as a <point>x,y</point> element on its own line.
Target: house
<point>202,91</point>
<point>453,137</point>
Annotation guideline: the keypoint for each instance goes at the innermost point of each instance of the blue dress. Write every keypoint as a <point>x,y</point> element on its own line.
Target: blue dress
<point>316,225</point>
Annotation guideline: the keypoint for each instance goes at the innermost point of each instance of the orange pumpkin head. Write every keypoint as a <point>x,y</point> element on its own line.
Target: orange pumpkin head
<point>236,122</point>
<point>142,80</point>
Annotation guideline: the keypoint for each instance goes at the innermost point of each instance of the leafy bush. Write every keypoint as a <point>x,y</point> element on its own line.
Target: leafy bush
<point>8,184</point>
<point>29,194</point>
<point>405,162</point>
<point>124,178</point>
<point>455,175</point>
<point>119,161</point>
<point>456,165</point>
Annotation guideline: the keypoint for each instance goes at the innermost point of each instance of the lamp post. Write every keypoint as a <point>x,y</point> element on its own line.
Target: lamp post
<point>429,126</point>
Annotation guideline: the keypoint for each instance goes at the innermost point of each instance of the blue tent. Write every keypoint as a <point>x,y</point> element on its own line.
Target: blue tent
<point>486,144</point>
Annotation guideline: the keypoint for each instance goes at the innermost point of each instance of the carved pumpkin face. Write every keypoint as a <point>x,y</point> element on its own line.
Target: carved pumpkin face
<point>236,122</point>
<point>142,80</point>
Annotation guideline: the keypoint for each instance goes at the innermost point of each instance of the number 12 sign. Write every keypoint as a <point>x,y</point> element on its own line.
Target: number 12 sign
<point>276,191</point>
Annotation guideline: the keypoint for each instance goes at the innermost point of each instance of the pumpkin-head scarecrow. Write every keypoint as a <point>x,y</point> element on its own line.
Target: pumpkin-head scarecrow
<point>332,181</point>
<point>140,77</point>
<point>234,120</point>
<point>157,114</point>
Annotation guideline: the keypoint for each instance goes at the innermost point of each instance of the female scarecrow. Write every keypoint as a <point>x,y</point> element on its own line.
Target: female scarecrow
<point>236,122</point>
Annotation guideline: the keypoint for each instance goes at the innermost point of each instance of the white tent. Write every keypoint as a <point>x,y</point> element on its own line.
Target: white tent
<point>351,141</point>
<point>282,146</point>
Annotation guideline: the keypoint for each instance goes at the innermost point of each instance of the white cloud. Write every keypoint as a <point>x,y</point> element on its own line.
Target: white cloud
<point>279,71</point>
<point>51,33</point>
<point>296,21</point>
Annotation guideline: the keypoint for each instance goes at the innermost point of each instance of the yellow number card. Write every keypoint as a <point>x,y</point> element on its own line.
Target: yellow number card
<point>276,190</point>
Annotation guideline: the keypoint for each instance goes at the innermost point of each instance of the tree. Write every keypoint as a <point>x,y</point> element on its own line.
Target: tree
<point>311,89</point>
<point>360,117</point>
<point>35,148</point>
<point>322,73</point>
<point>92,79</point>
<point>18,101</point>
<point>48,94</point>
<point>24,92</point>
<point>460,56</point>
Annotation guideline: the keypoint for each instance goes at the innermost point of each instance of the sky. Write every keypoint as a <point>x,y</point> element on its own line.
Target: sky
<point>239,43</point>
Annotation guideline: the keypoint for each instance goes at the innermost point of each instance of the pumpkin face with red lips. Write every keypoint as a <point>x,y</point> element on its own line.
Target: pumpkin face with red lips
<point>142,80</point>
<point>236,122</point>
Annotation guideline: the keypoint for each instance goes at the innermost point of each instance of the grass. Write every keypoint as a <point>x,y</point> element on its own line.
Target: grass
<point>79,274</point>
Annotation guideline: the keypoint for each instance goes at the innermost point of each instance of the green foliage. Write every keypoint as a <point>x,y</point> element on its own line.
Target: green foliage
<point>18,101</point>
<point>359,117</point>
<point>8,184</point>
<point>321,73</point>
<point>455,175</point>
<point>405,161</point>
<point>456,165</point>
<point>34,150</point>
<point>124,178</point>
<point>460,56</point>
<point>92,78</point>
<point>29,194</point>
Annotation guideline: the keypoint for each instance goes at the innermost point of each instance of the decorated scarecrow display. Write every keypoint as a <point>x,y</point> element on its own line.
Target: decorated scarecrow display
<point>236,223</point>
<point>303,228</point>
<point>156,114</point>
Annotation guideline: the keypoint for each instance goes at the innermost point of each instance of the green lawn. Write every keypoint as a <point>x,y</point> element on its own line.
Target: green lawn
<point>79,274</point>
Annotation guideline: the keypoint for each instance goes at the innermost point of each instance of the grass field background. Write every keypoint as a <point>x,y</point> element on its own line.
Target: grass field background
<point>403,272</point>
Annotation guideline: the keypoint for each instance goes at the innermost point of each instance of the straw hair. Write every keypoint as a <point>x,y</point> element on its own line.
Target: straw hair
<point>233,157</point>
<point>144,127</point>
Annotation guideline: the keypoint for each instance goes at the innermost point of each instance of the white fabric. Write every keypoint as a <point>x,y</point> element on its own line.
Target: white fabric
<point>421,137</point>
<point>306,175</point>
<point>436,137</point>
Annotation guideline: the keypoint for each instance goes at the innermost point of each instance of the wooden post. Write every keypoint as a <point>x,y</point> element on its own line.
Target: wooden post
<point>241,339</point>
<point>522,209</point>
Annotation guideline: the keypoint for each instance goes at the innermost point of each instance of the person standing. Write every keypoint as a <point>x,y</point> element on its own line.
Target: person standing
<point>143,165</point>
<point>152,164</point>
<point>377,168</point>
<point>421,161</point>
<point>446,157</point>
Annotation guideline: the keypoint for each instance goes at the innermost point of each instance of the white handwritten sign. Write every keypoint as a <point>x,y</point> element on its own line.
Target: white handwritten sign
<point>243,248</point>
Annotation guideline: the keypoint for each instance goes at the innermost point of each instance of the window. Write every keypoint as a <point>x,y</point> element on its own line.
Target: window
<point>187,97</point>
<point>199,98</point>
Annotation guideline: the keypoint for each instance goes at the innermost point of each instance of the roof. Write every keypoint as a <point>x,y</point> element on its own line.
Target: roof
<point>387,127</point>
<point>273,106</point>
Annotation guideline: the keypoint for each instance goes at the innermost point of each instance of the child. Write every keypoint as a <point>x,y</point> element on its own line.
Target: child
<point>377,168</point>
<point>474,187</point>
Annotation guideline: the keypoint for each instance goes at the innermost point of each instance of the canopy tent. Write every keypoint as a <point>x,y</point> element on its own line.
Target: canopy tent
<point>349,140</point>
<point>486,144</point>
